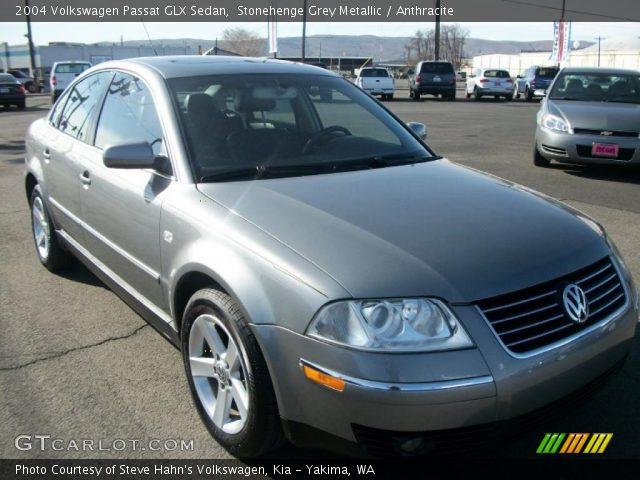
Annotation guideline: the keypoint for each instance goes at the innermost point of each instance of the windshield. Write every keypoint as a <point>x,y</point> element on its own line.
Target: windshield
<point>597,87</point>
<point>496,74</point>
<point>374,72</point>
<point>286,125</point>
<point>434,67</point>
<point>546,72</point>
<point>71,67</point>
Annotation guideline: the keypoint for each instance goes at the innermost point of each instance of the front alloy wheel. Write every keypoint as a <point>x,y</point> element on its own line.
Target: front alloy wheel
<point>228,376</point>
<point>219,373</point>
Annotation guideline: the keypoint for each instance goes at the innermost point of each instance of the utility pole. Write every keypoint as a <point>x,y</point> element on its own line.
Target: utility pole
<point>437,35</point>
<point>304,30</point>
<point>599,39</point>
<point>32,56</point>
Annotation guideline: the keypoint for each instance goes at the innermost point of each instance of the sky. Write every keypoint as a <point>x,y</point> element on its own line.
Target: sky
<point>43,33</point>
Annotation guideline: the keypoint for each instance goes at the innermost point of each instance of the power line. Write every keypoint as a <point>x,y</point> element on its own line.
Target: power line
<point>562,9</point>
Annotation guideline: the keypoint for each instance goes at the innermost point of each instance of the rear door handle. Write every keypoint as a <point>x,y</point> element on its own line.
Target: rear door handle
<point>85,178</point>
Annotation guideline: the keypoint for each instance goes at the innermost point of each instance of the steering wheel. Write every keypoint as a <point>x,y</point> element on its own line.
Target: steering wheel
<point>323,136</point>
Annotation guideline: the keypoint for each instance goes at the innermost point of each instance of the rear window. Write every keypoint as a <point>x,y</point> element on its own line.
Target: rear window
<point>546,72</point>
<point>7,78</point>
<point>496,74</point>
<point>71,67</point>
<point>433,67</point>
<point>374,72</point>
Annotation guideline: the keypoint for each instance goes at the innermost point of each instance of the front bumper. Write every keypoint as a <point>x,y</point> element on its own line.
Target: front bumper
<point>435,391</point>
<point>576,148</point>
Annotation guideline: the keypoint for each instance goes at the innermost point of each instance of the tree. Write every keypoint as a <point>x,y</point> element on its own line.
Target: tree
<point>243,42</point>
<point>452,42</point>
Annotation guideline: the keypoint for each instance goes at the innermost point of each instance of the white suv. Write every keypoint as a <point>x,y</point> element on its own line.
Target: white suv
<point>62,74</point>
<point>489,82</point>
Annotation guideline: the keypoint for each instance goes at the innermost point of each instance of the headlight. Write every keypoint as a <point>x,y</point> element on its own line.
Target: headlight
<point>553,122</point>
<point>404,325</point>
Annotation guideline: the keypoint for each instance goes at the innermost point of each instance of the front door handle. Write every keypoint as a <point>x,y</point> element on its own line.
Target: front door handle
<point>46,154</point>
<point>85,178</point>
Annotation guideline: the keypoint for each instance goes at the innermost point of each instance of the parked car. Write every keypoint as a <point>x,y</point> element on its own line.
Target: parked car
<point>433,78</point>
<point>591,115</point>
<point>12,92</point>
<point>376,81</point>
<point>326,275</point>
<point>519,86</point>
<point>26,80</point>
<point>537,78</point>
<point>62,74</point>
<point>489,82</point>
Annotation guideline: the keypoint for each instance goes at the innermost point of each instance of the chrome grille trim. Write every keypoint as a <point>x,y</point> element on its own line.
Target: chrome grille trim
<point>526,325</point>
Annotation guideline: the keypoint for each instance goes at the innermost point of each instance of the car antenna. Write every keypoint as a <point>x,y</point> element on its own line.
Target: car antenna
<point>149,37</point>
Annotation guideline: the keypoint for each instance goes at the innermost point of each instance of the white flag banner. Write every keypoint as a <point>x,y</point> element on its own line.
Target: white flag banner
<point>561,41</point>
<point>272,35</point>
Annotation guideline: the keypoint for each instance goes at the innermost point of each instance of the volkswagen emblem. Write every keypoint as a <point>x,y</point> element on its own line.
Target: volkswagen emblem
<point>575,303</point>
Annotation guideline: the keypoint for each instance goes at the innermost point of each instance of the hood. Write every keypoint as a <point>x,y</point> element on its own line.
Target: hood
<point>429,229</point>
<point>598,115</point>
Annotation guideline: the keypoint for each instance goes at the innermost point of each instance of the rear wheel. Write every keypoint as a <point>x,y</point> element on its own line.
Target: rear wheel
<point>228,376</point>
<point>529,94</point>
<point>22,105</point>
<point>390,97</point>
<point>416,95</point>
<point>509,97</point>
<point>48,248</point>
<point>538,159</point>
<point>476,94</point>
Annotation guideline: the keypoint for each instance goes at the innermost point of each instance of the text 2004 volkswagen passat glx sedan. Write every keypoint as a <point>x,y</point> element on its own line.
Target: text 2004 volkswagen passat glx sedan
<point>320,267</point>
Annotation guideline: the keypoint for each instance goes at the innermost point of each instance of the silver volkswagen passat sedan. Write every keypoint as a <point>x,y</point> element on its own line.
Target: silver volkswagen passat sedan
<point>590,116</point>
<point>323,271</point>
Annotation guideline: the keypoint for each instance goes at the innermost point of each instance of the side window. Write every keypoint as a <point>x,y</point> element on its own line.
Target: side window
<point>83,102</point>
<point>129,115</point>
<point>56,114</point>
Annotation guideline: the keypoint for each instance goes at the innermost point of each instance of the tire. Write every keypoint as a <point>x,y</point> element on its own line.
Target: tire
<point>528,95</point>
<point>467,93</point>
<point>509,97</point>
<point>416,95</point>
<point>452,98</point>
<point>390,97</point>
<point>22,105</point>
<point>476,94</point>
<point>211,318</point>
<point>30,86</point>
<point>48,249</point>
<point>538,159</point>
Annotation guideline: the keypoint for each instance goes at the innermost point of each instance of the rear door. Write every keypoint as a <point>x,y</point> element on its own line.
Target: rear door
<point>122,206</point>
<point>63,149</point>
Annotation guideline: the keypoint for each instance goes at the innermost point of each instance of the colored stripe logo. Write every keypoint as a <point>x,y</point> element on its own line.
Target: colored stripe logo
<point>574,443</point>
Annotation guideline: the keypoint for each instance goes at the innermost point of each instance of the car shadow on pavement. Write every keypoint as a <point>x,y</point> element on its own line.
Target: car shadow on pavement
<point>77,272</point>
<point>614,173</point>
<point>12,146</point>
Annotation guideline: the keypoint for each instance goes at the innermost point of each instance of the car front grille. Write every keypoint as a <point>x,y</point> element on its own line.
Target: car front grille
<point>623,153</point>
<point>535,317</point>
<point>610,133</point>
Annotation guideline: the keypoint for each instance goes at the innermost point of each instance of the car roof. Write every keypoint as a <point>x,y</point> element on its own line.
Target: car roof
<point>194,65</point>
<point>599,70</point>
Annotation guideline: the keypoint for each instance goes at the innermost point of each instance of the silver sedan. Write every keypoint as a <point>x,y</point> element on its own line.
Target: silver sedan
<point>327,276</point>
<point>590,116</point>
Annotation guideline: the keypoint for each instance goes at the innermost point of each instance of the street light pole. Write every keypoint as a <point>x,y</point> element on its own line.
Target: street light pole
<point>31,48</point>
<point>304,30</point>
<point>437,35</point>
<point>599,39</point>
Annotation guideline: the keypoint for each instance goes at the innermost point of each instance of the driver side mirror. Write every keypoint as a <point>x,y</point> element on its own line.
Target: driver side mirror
<point>420,129</point>
<point>136,155</point>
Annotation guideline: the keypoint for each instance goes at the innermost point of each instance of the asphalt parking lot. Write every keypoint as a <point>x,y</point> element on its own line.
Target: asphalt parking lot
<point>77,363</point>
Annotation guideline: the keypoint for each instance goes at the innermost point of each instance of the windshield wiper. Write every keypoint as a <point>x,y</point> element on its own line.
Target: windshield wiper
<point>275,171</point>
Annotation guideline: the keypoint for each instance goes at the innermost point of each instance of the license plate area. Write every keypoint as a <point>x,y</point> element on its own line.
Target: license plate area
<point>4,90</point>
<point>609,150</point>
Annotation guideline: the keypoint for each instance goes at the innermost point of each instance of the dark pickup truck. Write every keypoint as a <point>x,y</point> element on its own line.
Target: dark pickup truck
<point>434,78</point>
